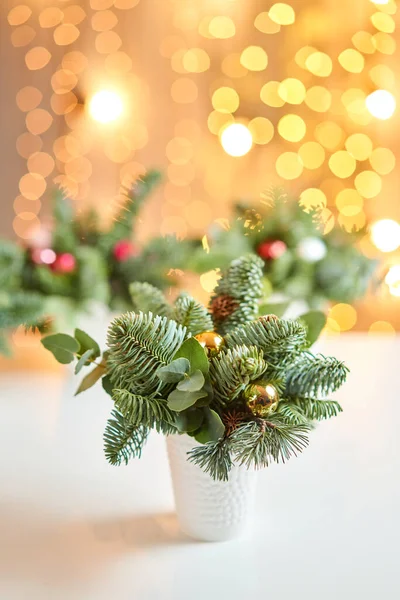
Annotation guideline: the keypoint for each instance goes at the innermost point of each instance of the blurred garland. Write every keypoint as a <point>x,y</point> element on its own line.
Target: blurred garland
<point>300,261</point>
<point>61,271</point>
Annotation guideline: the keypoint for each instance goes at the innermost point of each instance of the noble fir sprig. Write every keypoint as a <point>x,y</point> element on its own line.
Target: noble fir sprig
<point>247,389</point>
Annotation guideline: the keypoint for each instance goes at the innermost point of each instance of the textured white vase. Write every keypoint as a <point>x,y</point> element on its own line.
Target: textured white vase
<point>208,510</point>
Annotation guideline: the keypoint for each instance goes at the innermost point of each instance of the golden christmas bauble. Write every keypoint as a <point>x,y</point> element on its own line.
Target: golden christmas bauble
<point>261,398</point>
<point>210,341</point>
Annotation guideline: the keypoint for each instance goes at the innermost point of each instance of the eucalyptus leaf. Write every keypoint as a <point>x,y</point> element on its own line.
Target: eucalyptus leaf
<point>90,379</point>
<point>194,352</point>
<point>212,428</point>
<point>86,342</point>
<point>179,401</point>
<point>275,308</point>
<point>83,360</point>
<point>315,321</point>
<point>193,383</point>
<point>62,346</point>
<point>175,371</point>
<point>189,420</point>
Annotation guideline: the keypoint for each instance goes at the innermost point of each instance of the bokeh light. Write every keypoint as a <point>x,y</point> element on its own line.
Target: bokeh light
<point>282,13</point>
<point>381,104</point>
<point>236,139</point>
<point>382,160</point>
<point>392,279</point>
<point>292,90</point>
<point>292,128</point>
<point>344,315</point>
<point>342,164</point>
<point>385,235</point>
<point>254,58</point>
<point>225,100</point>
<point>106,106</point>
<point>368,183</point>
<point>312,155</point>
<point>289,165</point>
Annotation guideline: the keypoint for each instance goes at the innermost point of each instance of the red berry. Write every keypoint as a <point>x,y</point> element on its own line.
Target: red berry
<point>64,263</point>
<point>271,249</point>
<point>124,250</point>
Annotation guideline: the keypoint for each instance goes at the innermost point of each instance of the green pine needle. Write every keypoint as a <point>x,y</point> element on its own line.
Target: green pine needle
<point>213,458</point>
<point>123,441</point>
<point>148,298</point>
<point>281,341</point>
<point>233,370</point>
<point>192,314</point>
<point>312,376</point>
<point>138,410</point>
<point>139,344</point>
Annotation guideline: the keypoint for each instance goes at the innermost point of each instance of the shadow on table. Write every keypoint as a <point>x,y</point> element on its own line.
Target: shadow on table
<point>40,547</point>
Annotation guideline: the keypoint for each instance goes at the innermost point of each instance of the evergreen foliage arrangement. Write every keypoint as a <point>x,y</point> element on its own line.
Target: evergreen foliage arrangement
<point>299,260</point>
<point>245,388</point>
<point>79,262</point>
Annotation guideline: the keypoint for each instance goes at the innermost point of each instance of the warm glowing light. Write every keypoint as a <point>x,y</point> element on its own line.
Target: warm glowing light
<point>344,315</point>
<point>380,1</point>
<point>269,94</point>
<point>329,134</point>
<point>368,183</point>
<point>292,90</point>
<point>264,23</point>
<point>385,235</point>
<point>222,27</point>
<point>283,14</point>
<point>319,63</point>
<point>236,139</point>
<point>381,104</point>
<point>349,202</point>
<point>106,106</point>
<point>312,155</point>
<point>393,280</point>
<point>351,60</point>
<point>381,328</point>
<point>313,198</point>
<point>261,130</point>
<point>382,160</point>
<point>289,165</point>
<point>318,98</point>
<point>292,128</point>
<point>342,164</point>
<point>359,145</point>
<point>254,58</point>
<point>225,100</point>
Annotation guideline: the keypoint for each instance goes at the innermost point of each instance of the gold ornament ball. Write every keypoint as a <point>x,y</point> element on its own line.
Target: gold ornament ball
<point>261,398</point>
<point>210,341</point>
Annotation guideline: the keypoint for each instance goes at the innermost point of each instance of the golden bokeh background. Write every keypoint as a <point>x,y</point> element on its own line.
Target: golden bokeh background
<point>227,97</point>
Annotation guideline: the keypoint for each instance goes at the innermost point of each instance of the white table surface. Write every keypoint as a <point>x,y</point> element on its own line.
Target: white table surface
<point>326,527</point>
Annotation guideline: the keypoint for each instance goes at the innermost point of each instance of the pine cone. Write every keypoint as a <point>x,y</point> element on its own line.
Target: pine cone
<point>222,307</point>
<point>232,420</point>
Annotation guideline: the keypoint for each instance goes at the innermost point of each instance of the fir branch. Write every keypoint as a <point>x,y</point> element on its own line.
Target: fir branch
<point>281,341</point>
<point>139,345</point>
<point>20,308</point>
<point>242,284</point>
<point>214,458</point>
<point>147,298</point>
<point>232,371</point>
<point>313,376</point>
<point>139,410</point>
<point>258,443</point>
<point>309,409</point>
<point>123,441</point>
<point>11,264</point>
<point>291,413</point>
<point>133,201</point>
<point>191,314</point>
